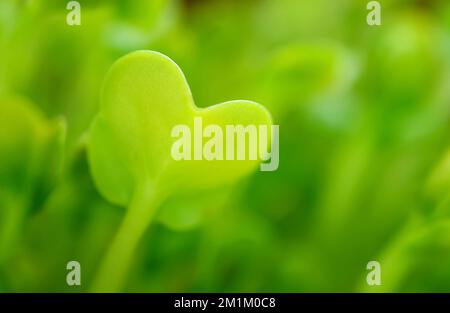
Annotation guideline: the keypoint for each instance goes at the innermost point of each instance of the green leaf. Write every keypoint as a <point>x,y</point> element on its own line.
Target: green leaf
<point>145,95</point>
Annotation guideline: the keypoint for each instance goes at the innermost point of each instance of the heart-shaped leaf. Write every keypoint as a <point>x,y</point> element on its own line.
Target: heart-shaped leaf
<point>144,98</point>
<point>145,95</point>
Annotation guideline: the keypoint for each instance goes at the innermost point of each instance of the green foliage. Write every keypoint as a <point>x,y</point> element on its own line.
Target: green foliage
<point>364,145</point>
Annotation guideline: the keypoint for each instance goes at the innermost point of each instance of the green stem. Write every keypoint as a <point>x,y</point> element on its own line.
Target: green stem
<point>115,266</point>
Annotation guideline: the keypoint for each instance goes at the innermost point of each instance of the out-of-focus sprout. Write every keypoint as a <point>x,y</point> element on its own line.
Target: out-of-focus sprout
<point>417,259</point>
<point>31,150</point>
<point>309,75</point>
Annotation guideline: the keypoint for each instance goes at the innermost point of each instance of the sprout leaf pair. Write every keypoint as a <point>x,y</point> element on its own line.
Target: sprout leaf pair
<point>145,95</point>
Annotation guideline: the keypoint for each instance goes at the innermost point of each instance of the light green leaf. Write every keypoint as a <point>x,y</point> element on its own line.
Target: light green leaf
<point>145,95</point>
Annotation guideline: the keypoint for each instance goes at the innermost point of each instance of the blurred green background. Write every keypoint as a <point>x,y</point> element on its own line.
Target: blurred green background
<point>364,170</point>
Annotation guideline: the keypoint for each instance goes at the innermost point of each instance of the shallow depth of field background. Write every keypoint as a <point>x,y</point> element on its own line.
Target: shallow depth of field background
<point>364,115</point>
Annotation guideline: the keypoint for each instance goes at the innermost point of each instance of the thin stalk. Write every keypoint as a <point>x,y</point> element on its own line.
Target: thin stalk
<point>115,265</point>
